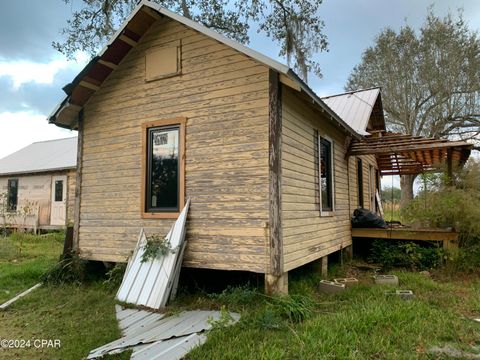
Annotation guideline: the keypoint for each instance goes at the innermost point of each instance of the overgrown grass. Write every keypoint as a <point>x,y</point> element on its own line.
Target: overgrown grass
<point>362,323</point>
<point>24,258</point>
<point>82,317</point>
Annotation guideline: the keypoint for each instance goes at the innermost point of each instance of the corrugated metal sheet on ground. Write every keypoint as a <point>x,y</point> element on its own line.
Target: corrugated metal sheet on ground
<point>354,107</point>
<point>150,283</point>
<point>152,336</point>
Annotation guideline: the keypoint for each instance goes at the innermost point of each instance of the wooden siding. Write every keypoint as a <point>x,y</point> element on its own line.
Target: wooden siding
<point>308,236</point>
<point>37,188</point>
<point>224,96</point>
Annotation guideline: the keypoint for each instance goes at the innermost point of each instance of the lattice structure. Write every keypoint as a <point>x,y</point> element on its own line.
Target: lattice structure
<point>400,154</point>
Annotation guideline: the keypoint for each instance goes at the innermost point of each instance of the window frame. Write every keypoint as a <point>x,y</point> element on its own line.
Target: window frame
<point>181,123</point>
<point>330,212</point>
<point>9,207</point>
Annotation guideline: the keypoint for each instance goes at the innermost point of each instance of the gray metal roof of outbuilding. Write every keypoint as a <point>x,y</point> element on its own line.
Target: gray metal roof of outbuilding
<point>354,107</point>
<point>41,156</point>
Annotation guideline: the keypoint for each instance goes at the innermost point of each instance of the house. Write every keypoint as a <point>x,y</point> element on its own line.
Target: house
<point>38,185</point>
<point>170,109</point>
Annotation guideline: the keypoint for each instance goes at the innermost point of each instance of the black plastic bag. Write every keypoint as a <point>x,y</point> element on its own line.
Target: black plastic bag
<point>363,218</point>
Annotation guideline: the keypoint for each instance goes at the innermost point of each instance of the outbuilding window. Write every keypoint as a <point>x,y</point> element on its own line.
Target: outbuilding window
<point>164,154</point>
<point>326,176</point>
<point>12,194</point>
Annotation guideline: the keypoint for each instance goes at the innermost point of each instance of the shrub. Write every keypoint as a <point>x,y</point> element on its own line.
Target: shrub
<point>67,271</point>
<point>405,254</point>
<point>115,276</point>
<point>441,205</point>
<point>295,308</point>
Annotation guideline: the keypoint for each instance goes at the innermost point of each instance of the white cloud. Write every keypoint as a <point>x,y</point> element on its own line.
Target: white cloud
<point>20,129</point>
<point>25,71</point>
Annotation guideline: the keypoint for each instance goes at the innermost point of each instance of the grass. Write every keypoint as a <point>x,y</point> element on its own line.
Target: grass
<point>361,323</point>
<point>81,317</point>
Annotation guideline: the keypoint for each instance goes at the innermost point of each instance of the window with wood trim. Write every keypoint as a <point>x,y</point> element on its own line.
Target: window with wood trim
<point>326,175</point>
<point>163,184</point>
<point>12,194</point>
<point>360,182</point>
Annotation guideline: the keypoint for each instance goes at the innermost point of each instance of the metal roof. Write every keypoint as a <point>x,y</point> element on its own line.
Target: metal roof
<point>354,107</point>
<point>150,283</point>
<point>66,113</point>
<point>154,336</point>
<point>41,156</point>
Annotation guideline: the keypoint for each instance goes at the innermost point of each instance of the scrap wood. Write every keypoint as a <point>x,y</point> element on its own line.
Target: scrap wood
<point>26,292</point>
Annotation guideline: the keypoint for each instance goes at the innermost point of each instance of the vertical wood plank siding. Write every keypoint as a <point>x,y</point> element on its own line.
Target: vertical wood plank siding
<point>225,97</point>
<point>306,235</point>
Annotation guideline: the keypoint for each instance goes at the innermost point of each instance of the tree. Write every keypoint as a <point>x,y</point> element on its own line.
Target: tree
<point>293,24</point>
<point>430,80</point>
<point>390,194</point>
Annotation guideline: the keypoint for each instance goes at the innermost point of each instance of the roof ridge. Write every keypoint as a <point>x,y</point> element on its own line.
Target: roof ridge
<point>352,92</point>
<point>43,141</point>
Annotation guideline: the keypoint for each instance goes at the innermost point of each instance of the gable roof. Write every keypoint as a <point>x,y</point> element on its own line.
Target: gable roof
<point>138,22</point>
<point>359,109</point>
<point>41,156</point>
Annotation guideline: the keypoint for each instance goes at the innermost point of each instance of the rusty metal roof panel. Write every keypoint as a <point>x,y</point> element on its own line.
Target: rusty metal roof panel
<point>355,108</point>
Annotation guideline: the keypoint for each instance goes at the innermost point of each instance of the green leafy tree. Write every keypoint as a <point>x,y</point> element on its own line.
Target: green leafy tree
<point>391,194</point>
<point>293,24</point>
<point>430,80</point>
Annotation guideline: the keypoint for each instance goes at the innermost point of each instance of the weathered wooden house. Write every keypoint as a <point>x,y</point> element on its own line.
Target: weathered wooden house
<point>170,109</point>
<point>37,185</point>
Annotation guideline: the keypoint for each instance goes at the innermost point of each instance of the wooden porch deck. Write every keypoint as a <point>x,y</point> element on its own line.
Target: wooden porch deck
<point>447,237</point>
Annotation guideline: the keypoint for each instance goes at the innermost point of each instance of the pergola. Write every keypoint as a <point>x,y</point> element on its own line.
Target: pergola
<point>400,154</point>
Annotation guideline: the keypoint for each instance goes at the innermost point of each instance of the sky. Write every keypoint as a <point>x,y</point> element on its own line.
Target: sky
<point>32,73</point>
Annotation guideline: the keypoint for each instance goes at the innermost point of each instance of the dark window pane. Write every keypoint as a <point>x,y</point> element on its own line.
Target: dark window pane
<point>326,174</point>
<point>12,194</point>
<point>59,190</point>
<point>163,164</point>
<point>360,182</point>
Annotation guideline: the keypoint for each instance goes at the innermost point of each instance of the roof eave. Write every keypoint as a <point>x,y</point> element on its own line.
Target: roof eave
<point>323,105</point>
<point>27,172</point>
<point>271,63</point>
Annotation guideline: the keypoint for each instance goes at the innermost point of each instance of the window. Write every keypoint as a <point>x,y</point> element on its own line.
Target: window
<point>326,175</point>
<point>360,182</point>
<point>12,193</point>
<point>164,166</point>
<point>58,190</point>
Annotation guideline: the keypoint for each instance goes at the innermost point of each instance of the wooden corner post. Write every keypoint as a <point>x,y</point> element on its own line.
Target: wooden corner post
<point>276,281</point>
<point>78,184</point>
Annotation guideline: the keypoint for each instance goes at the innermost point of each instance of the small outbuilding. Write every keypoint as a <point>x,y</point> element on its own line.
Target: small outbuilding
<point>37,185</point>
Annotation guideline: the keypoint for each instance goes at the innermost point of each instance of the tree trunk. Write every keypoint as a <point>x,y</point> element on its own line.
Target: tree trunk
<point>406,184</point>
